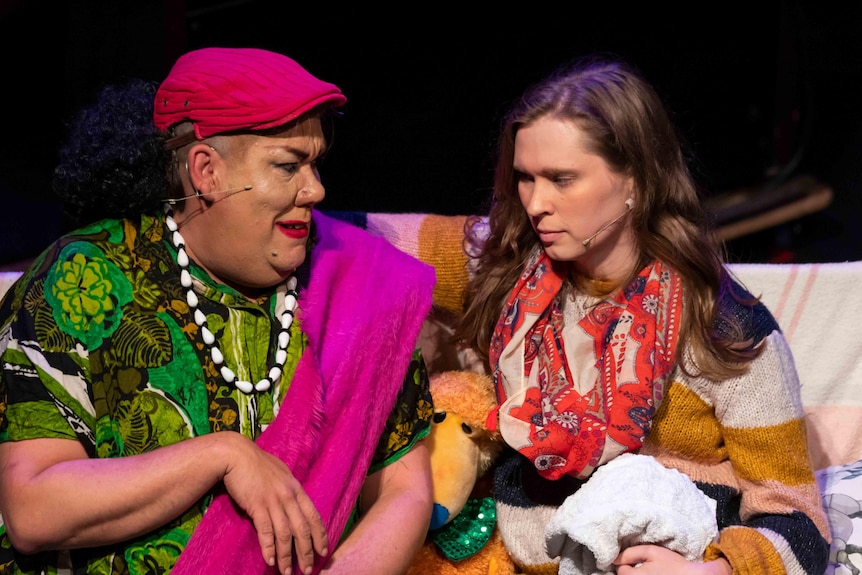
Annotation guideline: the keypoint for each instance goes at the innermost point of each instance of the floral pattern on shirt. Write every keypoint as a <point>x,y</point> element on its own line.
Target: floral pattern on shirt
<point>99,344</point>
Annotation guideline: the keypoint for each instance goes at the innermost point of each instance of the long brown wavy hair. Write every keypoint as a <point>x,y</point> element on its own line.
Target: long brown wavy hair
<point>627,124</point>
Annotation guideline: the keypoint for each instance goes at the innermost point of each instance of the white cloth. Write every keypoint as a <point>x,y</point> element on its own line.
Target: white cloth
<point>628,501</point>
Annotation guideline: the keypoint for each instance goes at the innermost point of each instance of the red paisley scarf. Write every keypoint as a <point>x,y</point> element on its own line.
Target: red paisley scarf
<point>634,335</point>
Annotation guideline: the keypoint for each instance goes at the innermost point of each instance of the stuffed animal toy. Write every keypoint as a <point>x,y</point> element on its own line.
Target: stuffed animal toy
<point>462,538</point>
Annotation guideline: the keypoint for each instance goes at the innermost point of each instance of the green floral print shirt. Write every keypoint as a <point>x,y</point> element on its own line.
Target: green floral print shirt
<point>99,345</point>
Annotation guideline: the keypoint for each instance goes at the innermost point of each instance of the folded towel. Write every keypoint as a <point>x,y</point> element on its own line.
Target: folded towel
<point>628,501</point>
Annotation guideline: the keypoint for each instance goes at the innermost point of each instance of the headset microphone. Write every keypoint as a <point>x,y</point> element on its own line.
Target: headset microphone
<point>198,194</point>
<point>630,203</point>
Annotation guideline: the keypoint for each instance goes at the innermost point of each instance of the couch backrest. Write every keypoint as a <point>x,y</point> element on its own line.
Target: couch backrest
<point>817,311</point>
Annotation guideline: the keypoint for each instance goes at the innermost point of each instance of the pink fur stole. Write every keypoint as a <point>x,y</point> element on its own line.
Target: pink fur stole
<point>362,312</point>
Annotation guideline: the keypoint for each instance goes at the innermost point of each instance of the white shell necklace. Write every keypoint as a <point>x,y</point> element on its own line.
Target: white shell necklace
<point>290,299</point>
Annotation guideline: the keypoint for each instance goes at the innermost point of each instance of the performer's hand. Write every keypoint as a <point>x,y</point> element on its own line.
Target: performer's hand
<point>283,515</point>
<point>656,560</point>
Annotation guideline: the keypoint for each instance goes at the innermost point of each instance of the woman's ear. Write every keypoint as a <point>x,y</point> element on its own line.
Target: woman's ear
<point>200,165</point>
<point>631,188</point>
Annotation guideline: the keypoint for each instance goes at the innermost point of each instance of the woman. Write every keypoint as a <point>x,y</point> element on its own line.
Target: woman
<point>206,349</point>
<point>600,302</point>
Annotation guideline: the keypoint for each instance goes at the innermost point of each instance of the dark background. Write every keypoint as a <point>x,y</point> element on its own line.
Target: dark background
<point>761,91</point>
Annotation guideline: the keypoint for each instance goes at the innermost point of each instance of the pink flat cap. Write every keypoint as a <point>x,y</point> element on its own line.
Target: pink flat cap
<point>227,89</point>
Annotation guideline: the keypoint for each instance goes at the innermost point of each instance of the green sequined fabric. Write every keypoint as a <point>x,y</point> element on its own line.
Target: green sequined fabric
<point>467,533</point>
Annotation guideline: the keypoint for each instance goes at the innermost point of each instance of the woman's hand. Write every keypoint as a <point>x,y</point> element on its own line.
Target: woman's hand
<point>656,560</point>
<point>283,514</point>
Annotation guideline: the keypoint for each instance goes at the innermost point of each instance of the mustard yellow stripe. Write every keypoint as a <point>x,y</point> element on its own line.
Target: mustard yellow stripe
<point>441,244</point>
<point>756,458</point>
<point>686,424</point>
<point>749,552</point>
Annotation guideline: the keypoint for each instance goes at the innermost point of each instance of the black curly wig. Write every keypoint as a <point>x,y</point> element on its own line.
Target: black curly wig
<point>113,163</point>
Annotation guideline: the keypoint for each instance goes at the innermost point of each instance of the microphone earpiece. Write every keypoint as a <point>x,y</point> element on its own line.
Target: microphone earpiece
<point>629,205</point>
<point>198,194</point>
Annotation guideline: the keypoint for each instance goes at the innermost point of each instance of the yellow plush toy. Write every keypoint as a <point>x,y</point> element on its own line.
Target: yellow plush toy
<point>462,538</point>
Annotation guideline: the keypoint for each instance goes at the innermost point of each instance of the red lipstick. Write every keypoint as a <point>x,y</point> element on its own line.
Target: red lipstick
<point>294,229</point>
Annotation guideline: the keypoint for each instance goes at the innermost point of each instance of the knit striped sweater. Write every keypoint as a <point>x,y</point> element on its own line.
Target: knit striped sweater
<point>742,440</point>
